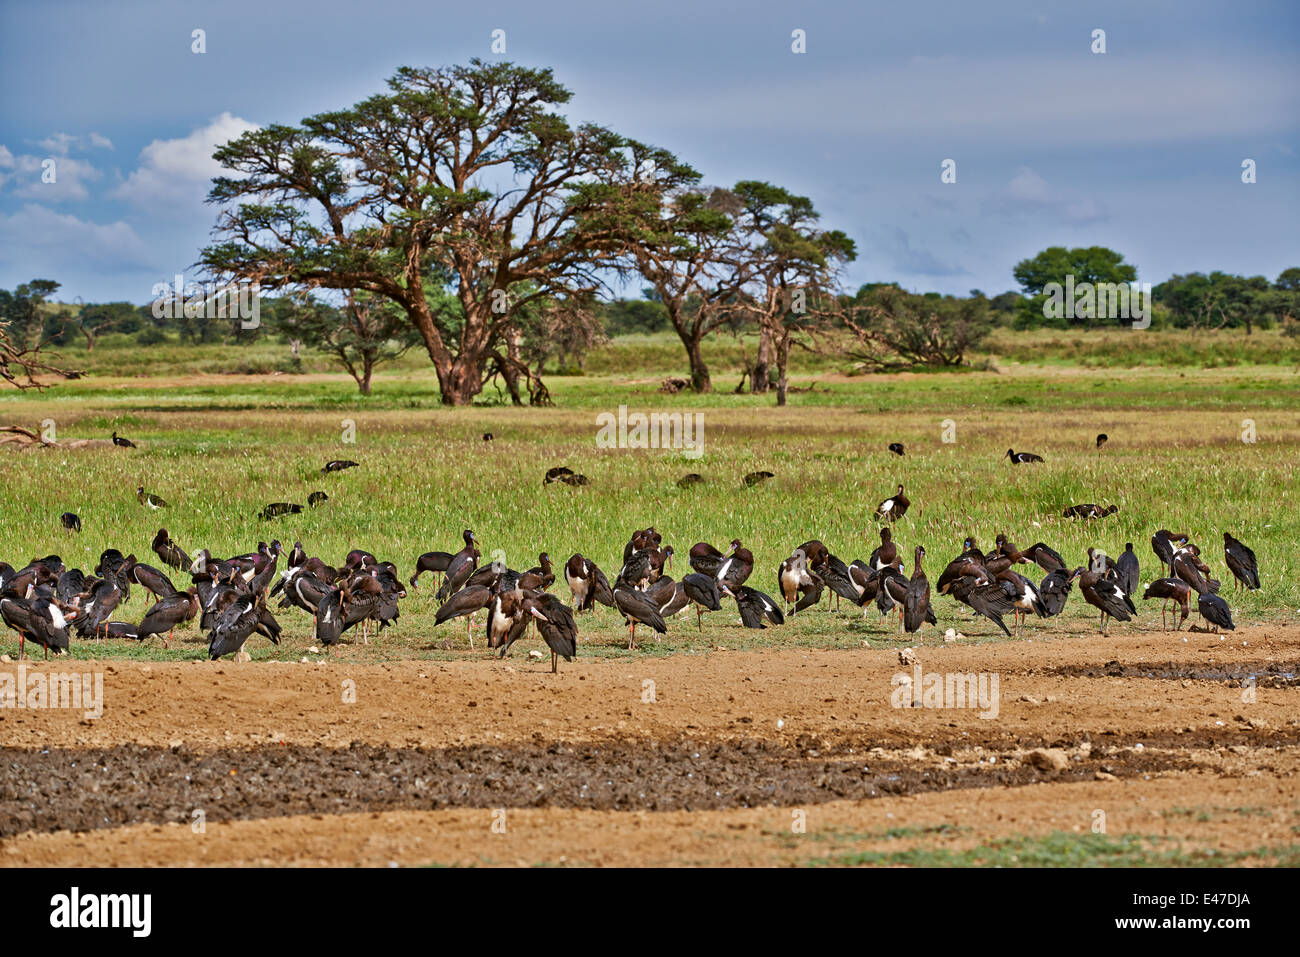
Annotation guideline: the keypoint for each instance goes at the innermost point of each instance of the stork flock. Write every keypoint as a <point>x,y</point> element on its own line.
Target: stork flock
<point>46,602</point>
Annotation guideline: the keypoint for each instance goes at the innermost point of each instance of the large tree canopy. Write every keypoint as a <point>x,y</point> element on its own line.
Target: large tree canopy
<point>791,270</point>
<point>463,172</point>
<point>1091,264</point>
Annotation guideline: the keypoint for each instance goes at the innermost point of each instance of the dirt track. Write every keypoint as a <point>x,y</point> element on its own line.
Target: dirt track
<point>581,768</point>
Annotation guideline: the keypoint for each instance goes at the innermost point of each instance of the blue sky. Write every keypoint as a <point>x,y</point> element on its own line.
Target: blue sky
<point>1139,149</point>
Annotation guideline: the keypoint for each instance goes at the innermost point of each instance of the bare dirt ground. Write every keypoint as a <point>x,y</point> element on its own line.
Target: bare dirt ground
<point>768,757</point>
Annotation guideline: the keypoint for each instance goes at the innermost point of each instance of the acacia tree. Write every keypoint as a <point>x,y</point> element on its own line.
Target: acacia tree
<point>463,171</point>
<point>365,333</point>
<point>23,336</point>
<point>894,329</point>
<point>691,264</point>
<point>791,269</point>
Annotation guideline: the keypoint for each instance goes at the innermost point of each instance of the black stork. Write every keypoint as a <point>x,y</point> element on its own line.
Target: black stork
<point>461,566</point>
<point>754,606</point>
<point>168,552</point>
<point>1023,458</point>
<point>1170,588</point>
<point>706,559</point>
<point>167,613</point>
<point>233,627</point>
<point>71,521</point>
<point>1128,569</point>
<point>1240,561</point>
<point>587,583</point>
<point>703,593</point>
<point>39,619</point>
<point>1215,610</point>
<point>1105,594</point>
<point>556,625</point>
<point>122,443</point>
<point>148,498</point>
<point>916,600</point>
<point>1163,544</point>
<point>894,507</point>
<point>338,465</point>
<point>637,609</point>
<point>736,567</point>
<point>464,603</point>
<point>435,562</point>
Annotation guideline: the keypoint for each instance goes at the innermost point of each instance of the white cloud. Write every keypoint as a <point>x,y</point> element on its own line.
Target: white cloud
<point>40,239</point>
<point>1029,196</point>
<point>180,170</point>
<point>64,143</point>
<point>23,175</point>
<point>58,143</point>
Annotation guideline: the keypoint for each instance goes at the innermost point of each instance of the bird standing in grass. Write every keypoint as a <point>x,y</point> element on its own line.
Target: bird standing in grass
<point>1023,458</point>
<point>169,552</point>
<point>894,507</point>
<point>71,521</point>
<point>1128,570</point>
<point>150,499</point>
<point>916,600</point>
<point>338,465</point>
<point>754,606</point>
<point>122,443</point>
<point>167,613</point>
<point>1239,559</point>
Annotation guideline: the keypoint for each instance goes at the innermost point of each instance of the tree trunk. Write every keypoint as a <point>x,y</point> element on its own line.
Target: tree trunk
<point>782,357</point>
<point>510,368</point>
<point>462,381</point>
<point>760,377</point>
<point>699,371</point>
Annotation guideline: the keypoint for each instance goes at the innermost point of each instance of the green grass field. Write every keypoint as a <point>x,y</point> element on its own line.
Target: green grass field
<point>219,448</point>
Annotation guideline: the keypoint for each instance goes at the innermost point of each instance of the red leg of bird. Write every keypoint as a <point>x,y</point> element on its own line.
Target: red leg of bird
<point>168,642</point>
<point>699,618</point>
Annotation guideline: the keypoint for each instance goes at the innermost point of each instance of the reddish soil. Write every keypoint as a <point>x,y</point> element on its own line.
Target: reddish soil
<point>1157,732</point>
